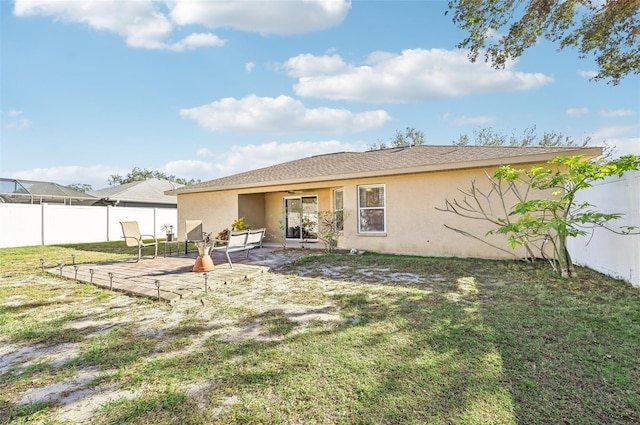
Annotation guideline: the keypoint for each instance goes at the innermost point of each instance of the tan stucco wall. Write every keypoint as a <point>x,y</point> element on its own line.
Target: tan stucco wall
<point>216,212</point>
<point>413,225</point>
<point>252,208</point>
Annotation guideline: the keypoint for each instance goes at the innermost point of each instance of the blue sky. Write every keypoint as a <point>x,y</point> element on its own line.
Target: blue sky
<point>205,89</point>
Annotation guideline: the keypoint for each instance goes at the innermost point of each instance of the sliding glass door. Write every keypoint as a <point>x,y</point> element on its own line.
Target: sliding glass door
<point>301,218</point>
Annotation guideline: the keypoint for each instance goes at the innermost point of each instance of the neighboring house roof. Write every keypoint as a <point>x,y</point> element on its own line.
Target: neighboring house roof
<point>394,161</point>
<point>151,191</point>
<point>20,191</point>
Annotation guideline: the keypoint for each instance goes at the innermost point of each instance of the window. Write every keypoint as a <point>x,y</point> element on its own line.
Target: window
<point>371,209</point>
<point>338,210</point>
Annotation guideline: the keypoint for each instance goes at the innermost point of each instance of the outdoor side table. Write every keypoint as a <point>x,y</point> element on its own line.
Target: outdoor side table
<point>171,245</point>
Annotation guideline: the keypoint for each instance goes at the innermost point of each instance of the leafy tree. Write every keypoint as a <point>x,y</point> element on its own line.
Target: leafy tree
<point>80,187</point>
<point>138,174</point>
<point>489,137</point>
<point>532,223</point>
<point>606,29</point>
<point>410,136</point>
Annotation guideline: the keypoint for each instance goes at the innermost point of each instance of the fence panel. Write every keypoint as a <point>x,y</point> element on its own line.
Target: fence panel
<point>46,224</point>
<point>20,225</point>
<point>73,224</point>
<point>144,216</point>
<point>166,216</point>
<point>609,253</point>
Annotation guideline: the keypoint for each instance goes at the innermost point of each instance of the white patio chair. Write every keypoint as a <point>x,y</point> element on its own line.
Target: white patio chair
<point>132,237</point>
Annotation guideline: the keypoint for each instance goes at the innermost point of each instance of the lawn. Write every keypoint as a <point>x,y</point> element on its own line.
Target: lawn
<point>329,339</point>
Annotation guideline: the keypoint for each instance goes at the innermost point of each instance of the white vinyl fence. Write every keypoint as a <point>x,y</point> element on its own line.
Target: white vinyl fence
<point>47,224</point>
<point>614,255</point>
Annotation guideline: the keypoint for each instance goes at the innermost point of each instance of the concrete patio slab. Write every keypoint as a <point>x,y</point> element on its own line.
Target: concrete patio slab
<point>171,278</point>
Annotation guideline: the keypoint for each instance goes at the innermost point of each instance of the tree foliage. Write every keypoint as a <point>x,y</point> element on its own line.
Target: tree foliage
<point>489,137</point>
<point>80,187</point>
<point>608,30</point>
<point>411,136</point>
<point>138,174</point>
<point>534,222</point>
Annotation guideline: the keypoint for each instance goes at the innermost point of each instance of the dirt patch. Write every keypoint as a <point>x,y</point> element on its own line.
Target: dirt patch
<point>233,312</point>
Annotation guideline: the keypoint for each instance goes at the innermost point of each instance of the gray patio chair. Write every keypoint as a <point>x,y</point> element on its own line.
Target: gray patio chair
<point>193,233</point>
<point>132,237</point>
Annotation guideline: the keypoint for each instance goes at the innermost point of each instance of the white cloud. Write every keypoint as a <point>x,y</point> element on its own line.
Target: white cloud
<point>616,113</point>
<point>194,41</point>
<point>623,138</point>
<point>378,57</point>
<point>309,65</point>
<point>250,157</point>
<point>587,74</point>
<point>280,115</point>
<point>145,24</point>
<point>494,35</point>
<point>464,120</point>
<point>577,112</point>
<point>204,152</point>
<point>140,22</point>
<point>209,165</point>
<point>264,17</point>
<point>97,175</point>
<point>20,124</point>
<point>615,131</point>
<point>416,74</point>
<point>15,120</point>
<point>12,113</point>
<point>249,66</point>
<point>625,146</point>
<point>194,169</point>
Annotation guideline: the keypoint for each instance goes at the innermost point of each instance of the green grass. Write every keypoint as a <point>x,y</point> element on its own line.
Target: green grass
<point>473,342</point>
<point>26,260</point>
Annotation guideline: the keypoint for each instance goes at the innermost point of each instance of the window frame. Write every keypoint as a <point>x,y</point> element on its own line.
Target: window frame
<point>301,217</point>
<point>383,208</point>
<point>338,213</point>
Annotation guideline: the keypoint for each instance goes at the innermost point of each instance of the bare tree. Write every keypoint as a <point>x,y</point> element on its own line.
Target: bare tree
<point>553,215</point>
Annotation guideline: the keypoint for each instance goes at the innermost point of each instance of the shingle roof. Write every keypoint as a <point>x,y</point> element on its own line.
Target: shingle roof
<point>146,191</point>
<point>420,158</point>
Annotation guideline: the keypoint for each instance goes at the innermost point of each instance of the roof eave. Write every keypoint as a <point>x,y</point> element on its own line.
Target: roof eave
<point>588,153</point>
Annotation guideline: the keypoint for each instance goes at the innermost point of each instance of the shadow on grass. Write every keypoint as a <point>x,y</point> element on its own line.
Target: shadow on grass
<point>477,342</point>
<point>29,413</point>
<point>113,247</point>
<point>414,359</point>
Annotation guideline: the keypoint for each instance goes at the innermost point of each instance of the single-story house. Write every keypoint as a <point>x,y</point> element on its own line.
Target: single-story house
<point>149,193</point>
<point>384,200</point>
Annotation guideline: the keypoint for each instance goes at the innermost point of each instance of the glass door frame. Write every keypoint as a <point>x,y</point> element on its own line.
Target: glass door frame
<point>294,228</point>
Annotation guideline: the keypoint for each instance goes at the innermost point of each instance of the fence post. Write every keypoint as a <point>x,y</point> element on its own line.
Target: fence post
<point>42,229</point>
<point>155,221</point>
